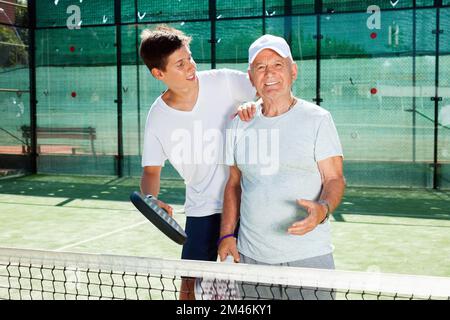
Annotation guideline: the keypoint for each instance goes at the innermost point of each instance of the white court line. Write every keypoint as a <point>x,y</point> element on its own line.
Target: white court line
<point>100,236</point>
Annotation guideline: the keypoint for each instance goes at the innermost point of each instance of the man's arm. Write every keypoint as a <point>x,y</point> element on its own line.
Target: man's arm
<point>230,215</point>
<point>333,180</point>
<point>150,180</point>
<point>150,183</point>
<point>333,186</point>
<point>243,92</point>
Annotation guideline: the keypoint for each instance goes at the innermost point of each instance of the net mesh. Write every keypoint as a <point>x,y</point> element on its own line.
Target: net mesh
<point>32,274</point>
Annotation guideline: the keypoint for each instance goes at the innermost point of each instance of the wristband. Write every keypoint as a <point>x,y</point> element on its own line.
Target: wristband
<point>224,237</point>
<point>151,197</point>
<point>327,214</point>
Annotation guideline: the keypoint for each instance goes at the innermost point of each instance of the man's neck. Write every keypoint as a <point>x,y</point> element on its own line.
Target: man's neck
<point>182,100</point>
<point>276,107</point>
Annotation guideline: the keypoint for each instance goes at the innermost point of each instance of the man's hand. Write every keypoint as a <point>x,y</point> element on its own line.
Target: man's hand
<point>228,247</point>
<point>247,111</point>
<point>316,213</point>
<point>165,206</point>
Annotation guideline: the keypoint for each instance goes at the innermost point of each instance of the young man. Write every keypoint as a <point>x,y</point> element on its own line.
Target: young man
<point>186,125</point>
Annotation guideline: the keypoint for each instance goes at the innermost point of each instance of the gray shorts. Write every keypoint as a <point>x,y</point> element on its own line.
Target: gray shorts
<point>279,292</point>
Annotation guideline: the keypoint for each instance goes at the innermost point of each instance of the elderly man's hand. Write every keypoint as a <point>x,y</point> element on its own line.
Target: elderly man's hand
<point>228,247</point>
<point>246,111</point>
<point>316,214</point>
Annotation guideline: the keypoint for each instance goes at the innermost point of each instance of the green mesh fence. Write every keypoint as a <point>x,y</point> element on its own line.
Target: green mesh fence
<point>60,13</point>
<point>378,83</point>
<point>444,108</point>
<point>355,5</point>
<point>14,85</point>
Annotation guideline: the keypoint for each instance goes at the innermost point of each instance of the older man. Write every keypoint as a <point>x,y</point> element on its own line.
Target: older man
<point>286,174</point>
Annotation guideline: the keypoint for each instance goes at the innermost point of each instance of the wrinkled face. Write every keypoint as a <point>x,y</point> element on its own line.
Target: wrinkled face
<point>180,70</point>
<point>272,75</point>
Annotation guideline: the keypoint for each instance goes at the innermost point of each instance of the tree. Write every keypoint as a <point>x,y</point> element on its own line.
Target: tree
<point>14,40</point>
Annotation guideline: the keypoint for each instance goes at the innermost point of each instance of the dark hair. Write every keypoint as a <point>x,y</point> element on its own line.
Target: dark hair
<point>157,45</point>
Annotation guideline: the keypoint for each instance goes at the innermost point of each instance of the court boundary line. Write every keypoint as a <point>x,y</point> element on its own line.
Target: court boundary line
<point>71,207</point>
<point>99,236</point>
<point>392,225</point>
<point>176,211</point>
<point>391,215</point>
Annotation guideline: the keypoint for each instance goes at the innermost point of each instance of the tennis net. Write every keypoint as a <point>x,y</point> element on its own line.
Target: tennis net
<point>33,274</point>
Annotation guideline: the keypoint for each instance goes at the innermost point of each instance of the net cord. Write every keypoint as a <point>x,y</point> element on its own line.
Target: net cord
<point>411,285</point>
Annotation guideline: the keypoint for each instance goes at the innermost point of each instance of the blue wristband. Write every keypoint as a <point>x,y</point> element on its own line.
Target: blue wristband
<point>224,237</point>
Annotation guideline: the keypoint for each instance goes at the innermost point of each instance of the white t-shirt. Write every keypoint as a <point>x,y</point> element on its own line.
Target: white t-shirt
<point>194,141</point>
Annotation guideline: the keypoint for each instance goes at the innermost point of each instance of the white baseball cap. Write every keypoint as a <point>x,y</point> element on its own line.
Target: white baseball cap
<point>268,41</point>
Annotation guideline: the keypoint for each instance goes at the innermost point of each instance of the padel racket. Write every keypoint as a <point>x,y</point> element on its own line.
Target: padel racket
<point>159,217</point>
<point>216,289</point>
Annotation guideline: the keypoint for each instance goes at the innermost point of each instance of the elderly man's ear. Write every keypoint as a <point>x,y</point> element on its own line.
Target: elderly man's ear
<point>294,71</point>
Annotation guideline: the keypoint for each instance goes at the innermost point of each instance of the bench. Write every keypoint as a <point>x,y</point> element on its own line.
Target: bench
<point>73,133</point>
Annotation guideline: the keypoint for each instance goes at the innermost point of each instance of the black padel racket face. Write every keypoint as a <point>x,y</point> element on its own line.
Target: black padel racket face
<point>159,217</point>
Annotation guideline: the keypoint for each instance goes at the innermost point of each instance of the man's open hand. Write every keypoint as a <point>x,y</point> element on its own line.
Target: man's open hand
<point>316,214</point>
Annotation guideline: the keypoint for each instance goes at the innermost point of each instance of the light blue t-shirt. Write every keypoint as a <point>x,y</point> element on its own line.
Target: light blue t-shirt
<point>278,157</point>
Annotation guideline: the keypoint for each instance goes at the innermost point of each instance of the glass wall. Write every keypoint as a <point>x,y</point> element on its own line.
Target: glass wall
<point>375,65</point>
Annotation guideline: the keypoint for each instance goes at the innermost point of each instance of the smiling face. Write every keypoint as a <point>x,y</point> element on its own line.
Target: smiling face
<point>180,71</point>
<point>272,75</point>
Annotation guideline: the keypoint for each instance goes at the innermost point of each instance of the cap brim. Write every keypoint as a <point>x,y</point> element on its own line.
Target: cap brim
<point>278,51</point>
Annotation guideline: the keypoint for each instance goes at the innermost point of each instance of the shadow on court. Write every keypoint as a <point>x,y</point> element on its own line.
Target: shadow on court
<point>405,203</point>
<point>410,203</point>
<point>94,188</point>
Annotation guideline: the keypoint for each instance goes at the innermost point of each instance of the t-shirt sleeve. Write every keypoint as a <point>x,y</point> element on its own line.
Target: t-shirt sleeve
<point>327,140</point>
<point>153,153</point>
<point>240,86</point>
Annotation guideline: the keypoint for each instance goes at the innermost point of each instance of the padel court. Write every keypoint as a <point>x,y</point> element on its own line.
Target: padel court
<point>378,230</point>
<point>74,97</point>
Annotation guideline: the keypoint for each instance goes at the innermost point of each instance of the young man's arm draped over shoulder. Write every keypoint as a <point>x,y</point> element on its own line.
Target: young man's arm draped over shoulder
<point>240,86</point>
<point>243,93</point>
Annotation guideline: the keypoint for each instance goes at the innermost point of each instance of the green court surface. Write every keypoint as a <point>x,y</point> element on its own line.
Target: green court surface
<point>382,230</point>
